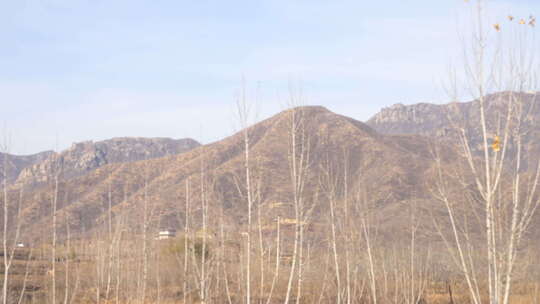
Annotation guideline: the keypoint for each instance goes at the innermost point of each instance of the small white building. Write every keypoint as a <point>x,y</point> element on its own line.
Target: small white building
<point>166,234</point>
<point>21,245</point>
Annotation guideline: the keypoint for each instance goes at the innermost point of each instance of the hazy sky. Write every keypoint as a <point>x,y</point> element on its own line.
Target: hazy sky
<point>74,70</point>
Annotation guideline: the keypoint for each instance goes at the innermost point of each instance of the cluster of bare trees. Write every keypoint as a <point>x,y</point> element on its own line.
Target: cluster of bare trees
<point>11,224</point>
<point>487,200</point>
<point>497,197</point>
<point>118,266</point>
<point>343,257</point>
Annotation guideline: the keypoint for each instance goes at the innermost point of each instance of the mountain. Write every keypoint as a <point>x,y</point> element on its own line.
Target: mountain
<point>338,173</point>
<point>438,120</point>
<point>392,168</point>
<point>84,157</point>
<point>14,164</point>
<point>396,170</point>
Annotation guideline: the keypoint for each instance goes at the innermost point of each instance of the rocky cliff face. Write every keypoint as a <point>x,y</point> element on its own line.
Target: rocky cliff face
<point>84,157</point>
<point>442,121</point>
<point>420,118</point>
<point>14,164</point>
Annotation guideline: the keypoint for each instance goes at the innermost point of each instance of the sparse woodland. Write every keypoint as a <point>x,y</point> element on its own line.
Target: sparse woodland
<point>305,207</point>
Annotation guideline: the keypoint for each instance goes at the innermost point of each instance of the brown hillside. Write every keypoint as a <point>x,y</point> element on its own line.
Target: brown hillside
<point>394,168</point>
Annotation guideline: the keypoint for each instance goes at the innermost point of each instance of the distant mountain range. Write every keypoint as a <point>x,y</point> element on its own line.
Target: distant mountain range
<point>397,166</point>
<point>389,157</point>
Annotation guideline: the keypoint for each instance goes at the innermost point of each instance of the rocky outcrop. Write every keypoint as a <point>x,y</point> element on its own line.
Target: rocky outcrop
<point>440,121</point>
<point>412,119</point>
<point>84,157</point>
<point>14,164</point>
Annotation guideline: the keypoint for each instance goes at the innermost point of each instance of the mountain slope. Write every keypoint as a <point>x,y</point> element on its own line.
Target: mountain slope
<point>391,168</point>
<point>84,157</point>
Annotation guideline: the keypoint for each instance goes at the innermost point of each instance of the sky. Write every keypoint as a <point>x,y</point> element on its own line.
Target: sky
<point>77,70</point>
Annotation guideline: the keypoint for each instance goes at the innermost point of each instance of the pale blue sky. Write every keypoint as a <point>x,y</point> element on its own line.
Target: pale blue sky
<point>74,70</point>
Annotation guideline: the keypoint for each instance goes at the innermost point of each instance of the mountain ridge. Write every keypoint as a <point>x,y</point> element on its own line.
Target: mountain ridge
<point>14,164</point>
<point>83,157</point>
<point>393,165</point>
<point>396,169</point>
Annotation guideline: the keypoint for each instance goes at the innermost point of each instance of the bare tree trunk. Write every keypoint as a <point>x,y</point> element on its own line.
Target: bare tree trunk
<point>261,251</point>
<point>119,231</point>
<point>294,181</point>
<point>76,287</point>
<point>278,258</point>
<point>202,293</point>
<point>26,273</point>
<point>368,238</point>
<point>300,263</point>
<point>334,248</point>
<point>5,230</point>
<point>8,253</point>
<point>54,219</point>
<point>98,270</point>
<point>298,168</point>
<point>243,110</point>
<point>145,241</point>
<point>67,257</point>
<point>223,258</point>
<point>110,254</point>
<point>324,279</point>
<point>118,261</point>
<point>186,242</point>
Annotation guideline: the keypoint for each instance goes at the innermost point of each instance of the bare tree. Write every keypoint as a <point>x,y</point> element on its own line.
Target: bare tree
<point>298,157</point>
<point>7,260</point>
<point>110,255</point>
<point>247,190</point>
<point>145,240</point>
<point>369,232</point>
<point>495,184</point>
<point>329,184</point>
<point>67,251</point>
<point>57,171</point>
<point>7,246</point>
<point>204,214</point>
<point>278,260</point>
<point>26,273</point>
<point>186,242</point>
